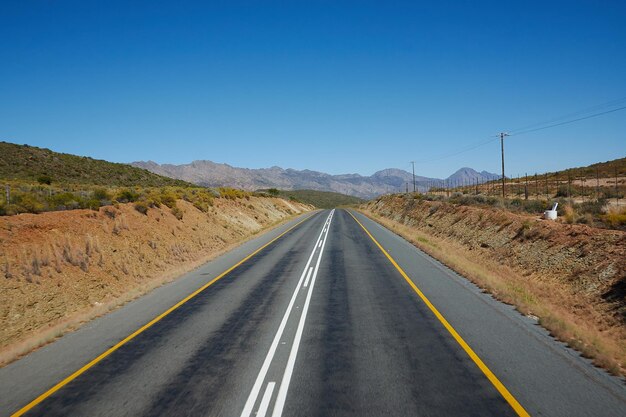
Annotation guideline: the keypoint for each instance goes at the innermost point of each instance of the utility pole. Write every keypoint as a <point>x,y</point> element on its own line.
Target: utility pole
<point>413,164</point>
<point>407,187</point>
<point>502,135</point>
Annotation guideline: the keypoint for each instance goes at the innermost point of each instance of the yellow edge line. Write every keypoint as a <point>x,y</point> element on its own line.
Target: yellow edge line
<point>146,326</point>
<point>481,365</point>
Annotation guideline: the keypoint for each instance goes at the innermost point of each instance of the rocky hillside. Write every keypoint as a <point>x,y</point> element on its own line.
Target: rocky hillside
<point>211,174</point>
<point>320,199</point>
<point>573,277</point>
<point>60,268</point>
<point>40,165</point>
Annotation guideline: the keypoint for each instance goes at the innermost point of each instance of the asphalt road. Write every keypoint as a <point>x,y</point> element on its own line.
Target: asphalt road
<point>318,322</point>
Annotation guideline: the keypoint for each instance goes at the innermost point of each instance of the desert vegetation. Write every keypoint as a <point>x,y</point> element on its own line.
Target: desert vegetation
<point>321,199</point>
<point>605,180</point>
<point>33,165</point>
<point>570,276</point>
<point>597,213</point>
<point>37,198</point>
<point>38,180</point>
<point>91,235</point>
<point>64,267</point>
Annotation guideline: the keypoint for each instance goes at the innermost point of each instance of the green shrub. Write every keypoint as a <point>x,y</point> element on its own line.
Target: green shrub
<point>101,194</point>
<point>44,179</point>
<point>141,207</point>
<point>35,198</point>
<point>232,193</point>
<point>203,207</point>
<point>27,203</point>
<point>127,196</point>
<point>592,207</point>
<point>177,212</point>
<point>202,200</point>
<point>535,206</point>
<point>91,204</point>
<point>168,198</point>
<point>64,201</point>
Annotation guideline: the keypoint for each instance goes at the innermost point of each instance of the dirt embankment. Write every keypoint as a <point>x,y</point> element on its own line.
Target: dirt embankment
<point>573,277</point>
<point>61,268</point>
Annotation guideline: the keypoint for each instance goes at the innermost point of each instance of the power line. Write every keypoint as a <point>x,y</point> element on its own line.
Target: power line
<point>568,121</point>
<point>532,128</point>
<point>458,152</point>
<point>595,108</point>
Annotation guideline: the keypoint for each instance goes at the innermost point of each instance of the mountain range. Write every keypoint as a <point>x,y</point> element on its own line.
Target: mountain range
<point>211,174</point>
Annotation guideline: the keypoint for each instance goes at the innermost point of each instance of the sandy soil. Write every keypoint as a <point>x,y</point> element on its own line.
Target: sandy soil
<point>62,268</point>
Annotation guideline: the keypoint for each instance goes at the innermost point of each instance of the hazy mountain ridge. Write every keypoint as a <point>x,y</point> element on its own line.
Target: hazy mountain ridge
<point>213,174</point>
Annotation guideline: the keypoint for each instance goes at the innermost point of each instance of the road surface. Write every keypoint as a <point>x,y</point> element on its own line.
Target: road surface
<point>330,315</point>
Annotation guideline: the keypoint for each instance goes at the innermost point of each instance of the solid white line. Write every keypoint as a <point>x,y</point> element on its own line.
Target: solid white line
<point>308,275</point>
<point>254,393</point>
<point>265,401</point>
<point>284,384</point>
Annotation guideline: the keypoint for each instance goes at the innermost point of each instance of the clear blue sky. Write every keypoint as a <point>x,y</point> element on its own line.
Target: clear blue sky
<point>325,85</point>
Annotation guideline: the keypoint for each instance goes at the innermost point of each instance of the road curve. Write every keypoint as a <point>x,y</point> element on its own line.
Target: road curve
<point>333,315</point>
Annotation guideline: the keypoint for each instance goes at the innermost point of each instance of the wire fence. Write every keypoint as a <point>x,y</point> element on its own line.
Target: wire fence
<point>537,187</point>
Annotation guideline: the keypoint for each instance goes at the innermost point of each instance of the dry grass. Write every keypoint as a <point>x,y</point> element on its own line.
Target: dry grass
<point>570,214</point>
<point>74,266</point>
<point>51,333</point>
<point>616,216</point>
<point>558,309</point>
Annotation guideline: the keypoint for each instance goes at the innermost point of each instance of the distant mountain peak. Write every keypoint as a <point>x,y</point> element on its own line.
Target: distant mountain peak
<point>208,173</point>
<point>467,175</point>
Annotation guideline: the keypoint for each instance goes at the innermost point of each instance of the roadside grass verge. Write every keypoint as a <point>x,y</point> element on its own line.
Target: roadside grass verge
<point>74,321</point>
<point>598,213</point>
<point>557,309</point>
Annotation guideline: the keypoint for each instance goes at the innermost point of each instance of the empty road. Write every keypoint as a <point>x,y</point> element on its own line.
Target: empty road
<point>329,315</point>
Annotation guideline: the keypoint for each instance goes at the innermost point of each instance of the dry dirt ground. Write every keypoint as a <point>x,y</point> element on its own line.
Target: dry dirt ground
<point>63,268</point>
<point>573,277</point>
